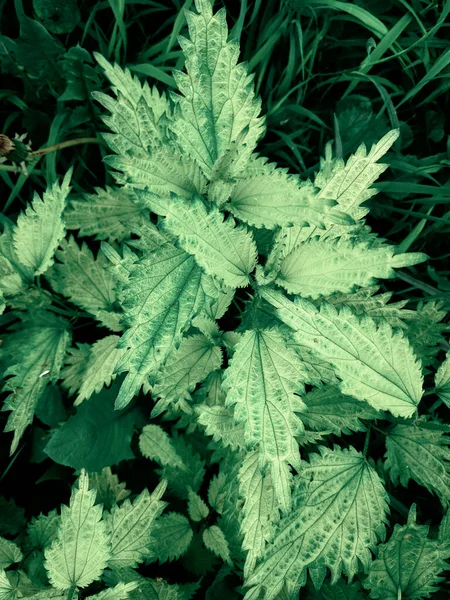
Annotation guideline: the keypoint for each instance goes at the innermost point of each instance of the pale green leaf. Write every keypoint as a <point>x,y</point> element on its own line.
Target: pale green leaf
<point>409,565</point>
<point>185,367</point>
<point>339,514</point>
<point>162,295</point>
<point>43,342</point>
<point>99,369</point>
<point>270,197</point>
<point>41,227</point>
<point>81,551</point>
<point>421,452</point>
<point>86,282</point>
<point>198,511</point>
<point>217,102</point>
<point>138,114</point>
<point>217,492</point>
<point>376,364</point>
<point>42,530</point>
<point>221,248</point>
<point>328,409</point>
<point>7,591</point>
<point>9,553</point>
<point>261,383</point>
<point>155,444</point>
<point>442,381</point>
<point>322,267</point>
<point>180,480</point>
<point>121,591</point>
<point>219,422</point>
<point>73,371</point>
<point>214,539</point>
<point>130,526</point>
<point>172,537</point>
<point>260,511</point>
<point>109,214</point>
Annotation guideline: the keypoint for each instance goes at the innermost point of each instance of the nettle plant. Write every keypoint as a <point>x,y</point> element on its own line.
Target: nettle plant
<point>243,312</point>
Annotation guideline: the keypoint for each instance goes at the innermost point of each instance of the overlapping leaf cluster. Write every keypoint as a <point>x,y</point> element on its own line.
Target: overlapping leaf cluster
<point>316,354</point>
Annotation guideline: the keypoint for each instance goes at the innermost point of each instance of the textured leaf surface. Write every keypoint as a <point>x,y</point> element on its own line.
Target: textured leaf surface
<point>421,452</point>
<point>322,267</point>
<point>121,591</point>
<point>214,539</point>
<point>221,248</point>
<point>217,102</point>
<point>130,526</point>
<point>155,444</point>
<point>99,370</point>
<point>409,565</point>
<point>338,516</point>
<point>442,381</point>
<point>42,345</point>
<point>197,509</point>
<point>266,196</point>
<point>261,382</point>
<point>375,364</point>
<point>41,227</point>
<point>172,536</point>
<point>42,530</point>
<point>80,553</point>
<point>109,489</point>
<point>9,553</point>
<point>163,292</point>
<point>260,511</point>
<point>109,214</point>
<point>185,367</point>
<point>86,281</point>
<point>327,409</point>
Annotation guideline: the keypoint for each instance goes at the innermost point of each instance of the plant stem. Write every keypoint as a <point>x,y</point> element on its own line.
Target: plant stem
<point>66,144</point>
<point>71,592</point>
<point>366,442</point>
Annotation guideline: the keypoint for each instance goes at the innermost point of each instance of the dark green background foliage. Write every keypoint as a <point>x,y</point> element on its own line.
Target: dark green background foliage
<point>346,72</point>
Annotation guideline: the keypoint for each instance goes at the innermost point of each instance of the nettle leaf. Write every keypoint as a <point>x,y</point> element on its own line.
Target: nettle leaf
<point>214,539</point>
<point>219,422</point>
<point>408,565</point>
<point>270,197</point>
<point>41,227</point>
<point>163,293</point>
<point>42,342</point>
<point>221,248</point>
<point>339,514</point>
<point>322,267</point>
<point>349,183</point>
<point>366,301</point>
<point>260,512</point>
<point>99,367</point>
<point>421,452</point>
<point>185,367</point>
<point>217,104</point>
<point>138,114</point>
<point>109,214</point>
<point>10,553</point>
<point>121,591</point>
<point>261,382</point>
<point>172,537</point>
<point>189,477</point>
<point>109,490</point>
<point>96,436</point>
<point>217,492</point>
<point>376,364</point>
<point>328,409</point>
<point>42,530</point>
<point>442,381</point>
<point>75,364</point>
<point>155,444</point>
<point>131,526</point>
<point>81,551</point>
<point>425,331</point>
<point>86,282</point>
<point>198,510</point>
